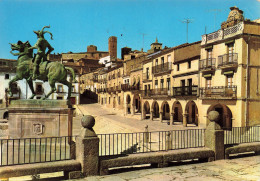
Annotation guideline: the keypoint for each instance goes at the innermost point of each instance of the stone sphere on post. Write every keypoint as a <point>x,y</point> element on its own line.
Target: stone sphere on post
<point>213,116</point>
<point>88,121</point>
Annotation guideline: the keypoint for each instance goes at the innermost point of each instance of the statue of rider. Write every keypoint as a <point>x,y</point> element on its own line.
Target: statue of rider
<point>41,46</point>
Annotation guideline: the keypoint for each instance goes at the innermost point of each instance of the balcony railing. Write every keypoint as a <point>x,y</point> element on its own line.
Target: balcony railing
<point>161,68</point>
<point>185,91</point>
<point>223,34</point>
<point>101,90</point>
<point>220,91</point>
<point>209,63</point>
<point>157,92</point>
<point>227,59</point>
<point>125,87</point>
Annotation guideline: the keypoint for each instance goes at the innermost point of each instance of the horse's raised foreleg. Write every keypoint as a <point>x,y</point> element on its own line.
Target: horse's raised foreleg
<point>67,83</point>
<point>53,89</point>
<point>16,78</point>
<point>30,83</point>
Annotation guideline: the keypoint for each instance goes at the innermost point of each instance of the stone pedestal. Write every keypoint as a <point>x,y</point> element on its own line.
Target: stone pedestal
<point>214,136</point>
<point>87,147</point>
<point>39,118</point>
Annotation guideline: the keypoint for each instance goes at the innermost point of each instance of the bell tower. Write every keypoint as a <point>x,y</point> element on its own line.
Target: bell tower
<point>112,47</point>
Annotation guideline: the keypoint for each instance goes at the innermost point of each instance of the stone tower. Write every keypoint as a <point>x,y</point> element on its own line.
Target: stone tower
<point>112,47</point>
<point>155,46</point>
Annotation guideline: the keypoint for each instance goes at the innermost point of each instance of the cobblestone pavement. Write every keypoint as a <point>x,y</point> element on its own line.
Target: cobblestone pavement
<point>246,168</point>
<point>109,120</point>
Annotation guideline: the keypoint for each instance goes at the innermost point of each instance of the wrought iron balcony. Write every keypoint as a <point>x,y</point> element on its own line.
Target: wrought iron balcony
<point>185,91</point>
<point>156,92</point>
<point>227,60</point>
<point>219,92</point>
<point>162,68</point>
<point>208,64</point>
<point>125,87</point>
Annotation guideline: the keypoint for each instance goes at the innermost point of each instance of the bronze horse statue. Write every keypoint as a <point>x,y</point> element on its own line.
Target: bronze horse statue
<point>48,71</point>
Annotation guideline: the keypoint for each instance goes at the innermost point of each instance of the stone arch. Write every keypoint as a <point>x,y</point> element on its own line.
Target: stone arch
<point>177,112</point>
<point>192,113</point>
<point>146,110</point>
<point>136,103</point>
<point>155,109</point>
<point>165,109</point>
<point>225,113</point>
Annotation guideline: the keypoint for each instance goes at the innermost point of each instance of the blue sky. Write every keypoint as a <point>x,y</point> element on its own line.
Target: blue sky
<point>75,24</point>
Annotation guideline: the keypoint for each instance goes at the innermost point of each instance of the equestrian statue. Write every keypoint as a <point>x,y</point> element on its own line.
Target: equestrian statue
<point>38,67</point>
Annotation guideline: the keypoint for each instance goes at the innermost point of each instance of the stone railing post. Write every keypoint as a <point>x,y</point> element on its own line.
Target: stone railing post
<point>87,147</point>
<point>214,136</point>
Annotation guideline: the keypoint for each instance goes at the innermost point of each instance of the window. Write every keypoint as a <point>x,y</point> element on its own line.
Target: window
<point>162,82</point>
<point>156,62</point>
<point>169,58</point>
<point>7,76</point>
<point>230,52</point>
<point>109,100</point>
<point>73,88</point>
<point>189,64</point>
<point>39,88</point>
<point>59,97</point>
<point>208,82</point>
<point>60,88</point>
<point>147,73</point>
<point>118,100</point>
<point>149,87</point>
<point>209,53</point>
<point>229,80</point>
<point>156,84</point>
<point>162,59</point>
<point>178,67</point>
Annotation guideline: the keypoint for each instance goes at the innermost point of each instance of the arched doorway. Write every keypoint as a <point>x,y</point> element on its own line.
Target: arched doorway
<point>225,120</point>
<point>166,111</point>
<point>177,110</point>
<point>137,103</point>
<point>192,112</point>
<point>146,110</point>
<point>128,104</point>
<point>155,108</point>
